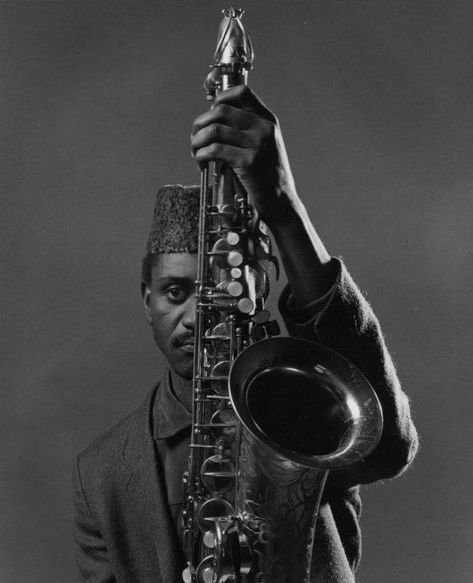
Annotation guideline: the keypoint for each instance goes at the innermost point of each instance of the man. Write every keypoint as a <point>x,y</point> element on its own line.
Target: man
<point>128,482</point>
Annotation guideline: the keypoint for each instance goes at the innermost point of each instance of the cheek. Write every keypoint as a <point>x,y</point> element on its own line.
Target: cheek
<point>164,323</point>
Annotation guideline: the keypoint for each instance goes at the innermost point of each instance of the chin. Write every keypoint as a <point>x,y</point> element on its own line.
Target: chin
<point>185,372</point>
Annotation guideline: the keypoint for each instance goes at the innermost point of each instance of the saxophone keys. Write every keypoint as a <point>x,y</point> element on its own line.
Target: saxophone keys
<point>219,377</point>
<point>233,238</point>
<point>225,254</point>
<point>219,332</point>
<point>218,474</point>
<point>219,337</point>
<point>232,288</point>
<point>235,258</point>
<point>212,509</point>
<point>224,216</point>
<point>246,306</point>
<point>206,571</point>
<point>209,539</point>
<point>261,317</point>
<point>187,575</point>
<point>236,272</point>
<point>245,554</point>
<point>223,423</point>
<point>235,288</point>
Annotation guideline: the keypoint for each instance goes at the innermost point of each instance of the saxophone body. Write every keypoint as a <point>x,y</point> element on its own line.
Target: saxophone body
<point>271,415</point>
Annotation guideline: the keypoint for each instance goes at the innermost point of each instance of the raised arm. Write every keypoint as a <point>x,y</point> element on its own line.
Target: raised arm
<point>322,302</point>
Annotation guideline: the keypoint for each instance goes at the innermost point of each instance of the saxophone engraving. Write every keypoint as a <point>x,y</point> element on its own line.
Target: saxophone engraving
<point>271,415</point>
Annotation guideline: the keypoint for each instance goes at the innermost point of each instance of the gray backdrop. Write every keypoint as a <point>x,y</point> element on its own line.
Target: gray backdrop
<point>375,99</point>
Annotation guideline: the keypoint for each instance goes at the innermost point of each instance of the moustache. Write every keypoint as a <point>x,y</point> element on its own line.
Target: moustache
<point>181,339</point>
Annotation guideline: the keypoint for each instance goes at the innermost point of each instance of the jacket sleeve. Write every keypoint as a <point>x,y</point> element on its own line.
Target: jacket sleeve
<point>91,553</point>
<point>344,321</point>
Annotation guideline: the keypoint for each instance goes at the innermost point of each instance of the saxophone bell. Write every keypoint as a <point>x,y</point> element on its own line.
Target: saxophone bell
<point>305,402</point>
<point>303,410</point>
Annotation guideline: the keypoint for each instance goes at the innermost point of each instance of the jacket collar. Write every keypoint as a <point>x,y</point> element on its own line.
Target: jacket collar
<point>169,414</point>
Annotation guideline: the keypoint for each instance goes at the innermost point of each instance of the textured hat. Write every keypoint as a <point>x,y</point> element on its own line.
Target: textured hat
<point>175,227</point>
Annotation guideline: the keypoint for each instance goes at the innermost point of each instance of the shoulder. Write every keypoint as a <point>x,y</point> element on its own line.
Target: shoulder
<point>108,445</point>
<point>106,454</point>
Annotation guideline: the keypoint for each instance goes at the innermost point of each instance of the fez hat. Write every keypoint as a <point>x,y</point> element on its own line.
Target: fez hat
<point>175,227</point>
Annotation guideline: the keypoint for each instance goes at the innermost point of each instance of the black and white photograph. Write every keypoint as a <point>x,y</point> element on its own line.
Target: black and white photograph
<point>237,266</point>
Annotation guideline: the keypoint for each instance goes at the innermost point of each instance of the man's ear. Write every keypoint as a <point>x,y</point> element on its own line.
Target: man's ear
<point>146,294</point>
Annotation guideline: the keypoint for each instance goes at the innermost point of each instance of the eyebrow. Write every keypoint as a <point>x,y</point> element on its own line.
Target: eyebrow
<point>165,279</point>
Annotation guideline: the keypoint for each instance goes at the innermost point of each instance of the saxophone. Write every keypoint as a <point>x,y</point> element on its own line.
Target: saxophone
<point>271,415</point>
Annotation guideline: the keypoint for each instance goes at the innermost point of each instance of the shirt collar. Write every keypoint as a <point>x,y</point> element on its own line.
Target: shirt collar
<point>169,414</point>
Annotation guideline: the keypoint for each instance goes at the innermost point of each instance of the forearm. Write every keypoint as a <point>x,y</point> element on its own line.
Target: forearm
<point>305,259</point>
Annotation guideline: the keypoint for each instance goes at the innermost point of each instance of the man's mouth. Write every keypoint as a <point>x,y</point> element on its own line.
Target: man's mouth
<point>186,345</point>
<point>189,348</point>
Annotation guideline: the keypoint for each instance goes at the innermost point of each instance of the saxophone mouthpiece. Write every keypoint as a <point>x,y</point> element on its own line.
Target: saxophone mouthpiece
<point>233,43</point>
<point>233,56</point>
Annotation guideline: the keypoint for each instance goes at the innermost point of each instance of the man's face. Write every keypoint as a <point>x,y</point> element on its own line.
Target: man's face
<point>170,308</point>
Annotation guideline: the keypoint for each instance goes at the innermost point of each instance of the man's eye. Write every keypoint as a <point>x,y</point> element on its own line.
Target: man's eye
<point>176,294</point>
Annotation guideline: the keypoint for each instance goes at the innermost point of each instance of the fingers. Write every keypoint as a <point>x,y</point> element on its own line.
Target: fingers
<point>218,133</point>
<point>235,130</point>
<point>233,156</point>
<point>242,97</point>
<point>225,115</point>
<point>238,107</point>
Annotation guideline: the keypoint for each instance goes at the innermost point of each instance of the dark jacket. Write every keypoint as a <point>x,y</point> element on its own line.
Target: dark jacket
<point>123,526</point>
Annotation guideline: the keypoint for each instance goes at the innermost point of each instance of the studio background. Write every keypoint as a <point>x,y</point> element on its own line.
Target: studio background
<point>375,101</point>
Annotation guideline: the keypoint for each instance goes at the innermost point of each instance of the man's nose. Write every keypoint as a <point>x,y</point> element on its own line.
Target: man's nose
<point>188,319</point>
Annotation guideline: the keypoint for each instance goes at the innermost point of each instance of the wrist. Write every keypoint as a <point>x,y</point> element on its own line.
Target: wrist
<point>287,219</point>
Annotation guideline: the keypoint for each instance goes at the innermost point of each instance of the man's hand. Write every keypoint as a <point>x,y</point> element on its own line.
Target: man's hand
<point>242,132</point>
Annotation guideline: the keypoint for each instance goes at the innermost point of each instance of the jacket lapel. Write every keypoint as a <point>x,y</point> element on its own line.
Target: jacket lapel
<point>145,489</point>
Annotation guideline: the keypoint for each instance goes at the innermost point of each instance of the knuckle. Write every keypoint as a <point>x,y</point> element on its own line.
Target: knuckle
<point>215,149</point>
<point>214,130</point>
<point>221,110</point>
